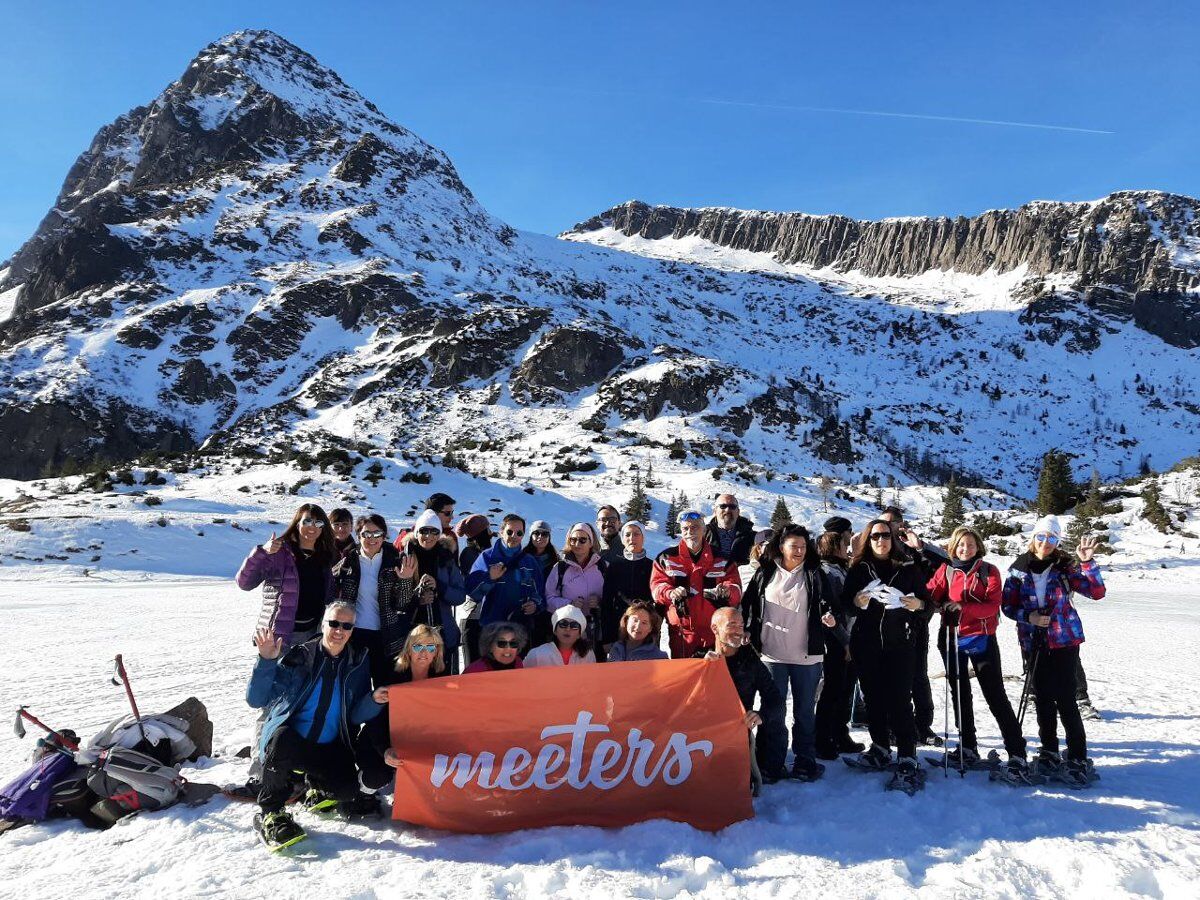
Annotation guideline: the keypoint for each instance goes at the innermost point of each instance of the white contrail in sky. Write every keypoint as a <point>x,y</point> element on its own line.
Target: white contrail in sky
<point>902,115</point>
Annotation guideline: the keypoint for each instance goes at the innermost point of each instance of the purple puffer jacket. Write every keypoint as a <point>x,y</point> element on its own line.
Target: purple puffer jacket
<point>576,582</point>
<point>277,573</point>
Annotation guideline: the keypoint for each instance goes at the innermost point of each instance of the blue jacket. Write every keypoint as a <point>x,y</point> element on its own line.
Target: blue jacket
<point>282,685</point>
<point>500,601</point>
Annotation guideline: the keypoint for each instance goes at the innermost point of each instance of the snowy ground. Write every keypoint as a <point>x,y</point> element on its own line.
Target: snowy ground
<point>1135,833</point>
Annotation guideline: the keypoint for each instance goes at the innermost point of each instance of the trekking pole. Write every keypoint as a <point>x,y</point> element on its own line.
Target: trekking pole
<point>1030,673</point>
<point>120,676</point>
<point>23,716</point>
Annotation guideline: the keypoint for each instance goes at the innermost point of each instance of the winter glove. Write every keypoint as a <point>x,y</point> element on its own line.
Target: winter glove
<point>681,606</point>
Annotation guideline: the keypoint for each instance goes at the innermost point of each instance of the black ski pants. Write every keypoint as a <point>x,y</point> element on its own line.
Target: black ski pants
<point>991,684</point>
<point>370,745</point>
<point>885,671</point>
<point>833,705</point>
<point>922,691</point>
<point>329,767</point>
<point>1055,679</point>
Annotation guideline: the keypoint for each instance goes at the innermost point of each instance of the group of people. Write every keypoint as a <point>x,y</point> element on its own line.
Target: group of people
<point>349,612</point>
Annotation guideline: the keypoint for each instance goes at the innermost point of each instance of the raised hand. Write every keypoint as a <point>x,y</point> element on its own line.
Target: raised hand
<point>407,569</point>
<point>1086,548</point>
<point>269,646</point>
<point>273,545</point>
<point>912,539</point>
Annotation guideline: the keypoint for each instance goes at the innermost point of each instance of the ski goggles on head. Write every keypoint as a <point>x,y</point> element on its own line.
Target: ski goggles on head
<point>1048,539</point>
<point>689,517</point>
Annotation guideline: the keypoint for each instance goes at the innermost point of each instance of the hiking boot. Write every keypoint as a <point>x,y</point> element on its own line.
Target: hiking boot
<point>830,751</point>
<point>316,801</point>
<point>278,829</point>
<point>849,745</point>
<point>362,806</point>
<point>1088,713</point>
<point>1074,773</point>
<point>929,738</point>
<point>806,769</point>
<point>874,757</point>
<point>1048,764</point>
<point>774,777</point>
<point>908,777</point>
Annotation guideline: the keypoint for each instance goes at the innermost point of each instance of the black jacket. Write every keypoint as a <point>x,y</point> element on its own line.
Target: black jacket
<point>754,597</point>
<point>743,540</point>
<point>626,581</point>
<point>876,626</point>
<point>395,595</point>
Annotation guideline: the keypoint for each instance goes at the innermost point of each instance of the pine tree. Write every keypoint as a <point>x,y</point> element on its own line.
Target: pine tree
<point>638,503</point>
<point>672,514</point>
<point>1055,486</point>
<point>1153,511</point>
<point>1087,521</point>
<point>512,471</point>
<point>781,515</point>
<point>825,485</point>
<point>952,507</point>
<point>650,482</point>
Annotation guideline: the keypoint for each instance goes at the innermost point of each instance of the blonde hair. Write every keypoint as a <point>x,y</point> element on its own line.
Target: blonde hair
<point>422,634</point>
<point>961,532</point>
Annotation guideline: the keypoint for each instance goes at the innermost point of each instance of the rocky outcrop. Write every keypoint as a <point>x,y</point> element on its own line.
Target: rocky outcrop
<point>1138,243</point>
<point>564,361</point>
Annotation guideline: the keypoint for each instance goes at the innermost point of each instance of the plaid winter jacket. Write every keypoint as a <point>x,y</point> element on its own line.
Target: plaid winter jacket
<point>1020,599</point>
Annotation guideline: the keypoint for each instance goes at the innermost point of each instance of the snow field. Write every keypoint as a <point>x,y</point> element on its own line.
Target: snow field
<point>1133,834</point>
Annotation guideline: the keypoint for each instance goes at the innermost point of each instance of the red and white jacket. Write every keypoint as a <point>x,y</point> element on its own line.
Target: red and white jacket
<point>674,567</point>
<point>977,590</point>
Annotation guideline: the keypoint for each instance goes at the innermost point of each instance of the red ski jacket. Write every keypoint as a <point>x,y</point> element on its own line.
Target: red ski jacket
<point>689,634</point>
<point>977,590</point>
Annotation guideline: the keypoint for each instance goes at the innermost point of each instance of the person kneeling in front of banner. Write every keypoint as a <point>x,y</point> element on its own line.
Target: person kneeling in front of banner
<point>423,657</point>
<point>500,647</point>
<point>750,678</point>
<point>638,634</point>
<point>313,694</point>
<point>568,647</point>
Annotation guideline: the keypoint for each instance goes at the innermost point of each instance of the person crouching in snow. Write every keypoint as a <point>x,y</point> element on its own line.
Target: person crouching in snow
<point>689,583</point>
<point>1037,594</point>
<point>569,646</point>
<point>751,679</point>
<point>312,694</point>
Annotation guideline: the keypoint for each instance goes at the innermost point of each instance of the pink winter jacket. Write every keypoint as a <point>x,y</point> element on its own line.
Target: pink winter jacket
<point>567,581</point>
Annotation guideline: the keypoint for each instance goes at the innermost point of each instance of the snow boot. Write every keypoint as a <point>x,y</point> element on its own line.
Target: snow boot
<point>930,738</point>
<point>874,759</point>
<point>806,769</point>
<point>1088,712</point>
<point>849,745</point>
<point>1048,764</point>
<point>362,806</point>
<point>316,801</point>
<point>908,777</point>
<point>1073,774</point>
<point>278,829</point>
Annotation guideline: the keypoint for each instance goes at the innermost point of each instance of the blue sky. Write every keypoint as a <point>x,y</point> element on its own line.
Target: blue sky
<point>553,112</point>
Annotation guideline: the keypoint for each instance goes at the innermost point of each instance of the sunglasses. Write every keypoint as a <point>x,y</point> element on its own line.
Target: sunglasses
<point>511,533</point>
<point>689,517</point>
<point>580,539</point>
<point>881,535</point>
<point>448,513</point>
<point>540,534</point>
<point>428,531</point>
<point>424,648</point>
<point>339,626</point>
<point>1046,539</point>
<point>373,535</point>
<point>509,645</point>
<point>727,506</point>
<point>567,623</point>
<point>312,523</point>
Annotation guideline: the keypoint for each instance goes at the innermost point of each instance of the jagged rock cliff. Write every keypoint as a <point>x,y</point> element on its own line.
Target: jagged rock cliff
<point>1134,253</point>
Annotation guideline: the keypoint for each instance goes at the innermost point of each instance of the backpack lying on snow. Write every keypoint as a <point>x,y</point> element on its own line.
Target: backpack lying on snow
<point>123,781</point>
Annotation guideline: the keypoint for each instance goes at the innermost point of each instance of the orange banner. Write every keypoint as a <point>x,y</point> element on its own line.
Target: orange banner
<point>606,744</point>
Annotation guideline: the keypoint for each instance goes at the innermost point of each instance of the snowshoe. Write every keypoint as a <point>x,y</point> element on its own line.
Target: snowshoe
<point>1048,765</point>
<point>961,759</point>
<point>363,806</point>
<point>1089,713</point>
<point>316,801</point>
<point>874,759</point>
<point>1016,773</point>
<point>1090,769</point>
<point>1073,774</point>
<point>248,792</point>
<point>278,830</point>
<point>805,769</point>
<point>908,777</point>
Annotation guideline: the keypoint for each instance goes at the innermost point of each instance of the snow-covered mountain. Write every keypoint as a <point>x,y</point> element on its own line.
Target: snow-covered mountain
<point>259,260</point>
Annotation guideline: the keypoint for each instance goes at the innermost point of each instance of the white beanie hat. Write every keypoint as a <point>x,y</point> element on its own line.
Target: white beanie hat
<point>428,519</point>
<point>1048,525</point>
<point>569,612</point>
